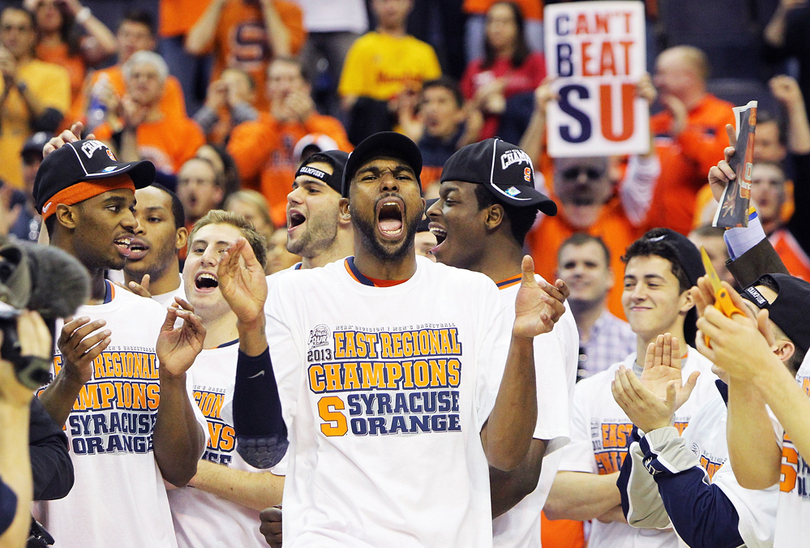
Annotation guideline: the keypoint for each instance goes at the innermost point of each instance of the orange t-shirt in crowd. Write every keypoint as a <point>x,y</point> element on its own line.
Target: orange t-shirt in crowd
<point>532,9</point>
<point>686,160</point>
<point>74,64</point>
<point>176,17</point>
<point>263,152</point>
<point>172,103</point>
<point>612,226</point>
<point>168,143</point>
<point>241,41</point>
<point>796,260</point>
<point>561,533</point>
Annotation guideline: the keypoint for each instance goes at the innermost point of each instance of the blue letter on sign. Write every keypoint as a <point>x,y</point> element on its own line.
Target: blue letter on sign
<point>578,115</point>
<point>565,67</point>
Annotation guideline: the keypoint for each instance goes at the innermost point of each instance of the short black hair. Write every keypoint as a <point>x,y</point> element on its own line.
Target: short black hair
<point>582,238</point>
<point>521,219</point>
<point>178,212</point>
<point>142,17</point>
<point>765,117</point>
<point>649,245</point>
<point>449,84</point>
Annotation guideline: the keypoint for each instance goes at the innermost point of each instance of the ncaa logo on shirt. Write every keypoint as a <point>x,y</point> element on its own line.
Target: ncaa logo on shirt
<point>318,336</point>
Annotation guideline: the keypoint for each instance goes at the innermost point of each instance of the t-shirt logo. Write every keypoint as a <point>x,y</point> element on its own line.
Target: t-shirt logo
<point>319,336</point>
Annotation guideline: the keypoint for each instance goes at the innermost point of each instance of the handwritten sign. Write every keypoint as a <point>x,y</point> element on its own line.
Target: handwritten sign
<point>597,51</point>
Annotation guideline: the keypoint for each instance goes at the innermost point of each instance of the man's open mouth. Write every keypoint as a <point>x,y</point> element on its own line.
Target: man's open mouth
<point>296,218</point>
<point>137,249</point>
<point>389,218</point>
<point>205,280</point>
<point>123,244</point>
<point>439,232</point>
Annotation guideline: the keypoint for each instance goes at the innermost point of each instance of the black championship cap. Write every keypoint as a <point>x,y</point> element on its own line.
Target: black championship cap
<point>83,161</point>
<point>791,308</point>
<point>385,143</point>
<point>34,144</point>
<point>504,169</point>
<point>335,158</point>
<point>688,254</point>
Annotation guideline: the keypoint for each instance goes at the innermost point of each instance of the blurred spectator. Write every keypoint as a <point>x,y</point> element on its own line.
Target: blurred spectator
<point>425,240</point>
<point>592,197</point>
<point>690,135</point>
<point>332,27</point>
<point>253,207</point>
<point>35,95</point>
<point>711,238</point>
<point>440,23</point>
<point>440,125</point>
<point>768,195</point>
<point>786,36</point>
<point>584,265</point>
<point>70,36</point>
<point>278,258</point>
<point>136,32</point>
<point>381,67</point>
<point>247,35</point>
<point>500,84</point>
<point>476,11</point>
<point>199,189</point>
<point>177,17</point>
<point>311,143</point>
<point>229,102</point>
<point>140,130</point>
<point>17,208</point>
<point>263,150</point>
<point>787,144</point>
<point>223,164</point>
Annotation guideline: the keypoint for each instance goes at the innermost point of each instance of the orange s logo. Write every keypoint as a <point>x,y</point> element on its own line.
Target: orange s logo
<point>334,421</point>
<point>527,174</point>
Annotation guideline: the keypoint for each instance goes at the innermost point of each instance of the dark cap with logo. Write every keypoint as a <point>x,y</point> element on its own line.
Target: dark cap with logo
<point>504,169</point>
<point>384,143</point>
<point>87,160</point>
<point>335,158</point>
<point>791,308</point>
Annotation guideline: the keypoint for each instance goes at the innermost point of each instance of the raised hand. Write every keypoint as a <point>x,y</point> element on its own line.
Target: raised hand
<point>646,410</point>
<point>81,341</point>
<point>662,373</point>
<point>178,347</point>
<point>68,136</point>
<point>537,307</point>
<point>242,281</point>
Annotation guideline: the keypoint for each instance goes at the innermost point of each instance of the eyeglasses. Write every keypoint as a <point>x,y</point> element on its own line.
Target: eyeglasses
<point>576,172</point>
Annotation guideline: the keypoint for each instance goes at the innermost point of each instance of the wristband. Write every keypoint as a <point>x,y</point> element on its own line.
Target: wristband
<point>83,15</point>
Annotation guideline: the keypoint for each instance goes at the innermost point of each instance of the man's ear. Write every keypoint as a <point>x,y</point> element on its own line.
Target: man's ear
<point>66,215</point>
<point>687,302</point>
<point>784,349</point>
<point>180,237</point>
<point>343,206</point>
<point>495,216</point>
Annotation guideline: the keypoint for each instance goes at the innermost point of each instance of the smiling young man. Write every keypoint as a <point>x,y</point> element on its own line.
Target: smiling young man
<point>124,399</point>
<point>660,269</point>
<point>398,388</point>
<point>221,504</point>
<point>487,203</point>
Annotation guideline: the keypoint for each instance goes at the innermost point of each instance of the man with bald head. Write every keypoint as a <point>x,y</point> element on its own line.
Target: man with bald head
<point>689,135</point>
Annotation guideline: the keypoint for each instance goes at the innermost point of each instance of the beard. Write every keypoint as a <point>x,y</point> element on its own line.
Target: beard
<point>392,252</point>
<point>319,236</point>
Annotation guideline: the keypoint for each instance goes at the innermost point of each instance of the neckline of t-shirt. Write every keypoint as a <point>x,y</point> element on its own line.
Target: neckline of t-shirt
<point>360,278</point>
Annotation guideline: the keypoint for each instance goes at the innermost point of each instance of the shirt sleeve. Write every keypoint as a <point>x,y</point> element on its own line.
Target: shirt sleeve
<point>8,506</point>
<point>702,515</point>
<point>51,467</point>
<point>352,81</point>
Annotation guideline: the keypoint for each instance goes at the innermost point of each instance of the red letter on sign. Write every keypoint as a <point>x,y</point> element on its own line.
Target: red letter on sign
<point>606,106</point>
